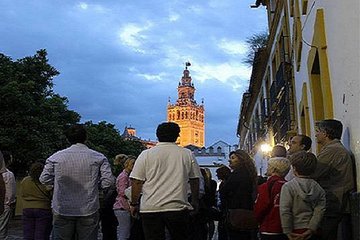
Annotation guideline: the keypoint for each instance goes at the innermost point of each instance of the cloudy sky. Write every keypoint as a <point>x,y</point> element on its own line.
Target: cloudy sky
<point>120,61</point>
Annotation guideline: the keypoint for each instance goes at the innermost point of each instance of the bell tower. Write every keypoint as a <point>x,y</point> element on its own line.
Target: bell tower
<point>187,113</point>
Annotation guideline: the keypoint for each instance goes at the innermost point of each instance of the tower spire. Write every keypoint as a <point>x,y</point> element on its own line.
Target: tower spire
<point>187,113</point>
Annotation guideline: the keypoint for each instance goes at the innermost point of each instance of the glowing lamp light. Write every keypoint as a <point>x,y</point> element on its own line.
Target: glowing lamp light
<point>265,148</point>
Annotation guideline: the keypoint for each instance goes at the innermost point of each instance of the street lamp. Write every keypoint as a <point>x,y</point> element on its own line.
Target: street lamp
<point>265,149</point>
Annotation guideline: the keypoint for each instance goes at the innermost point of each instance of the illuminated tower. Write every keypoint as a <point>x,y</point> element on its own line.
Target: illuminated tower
<point>187,113</point>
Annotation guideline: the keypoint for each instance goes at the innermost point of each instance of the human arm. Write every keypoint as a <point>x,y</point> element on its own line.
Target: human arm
<point>286,214</point>
<point>319,210</point>
<point>122,183</point>
<point>136,188</point>
<point>194,188</point>
<point>10,188</point>
<point>107,179</point>
<point>47,176</point>
<point>262,203</point>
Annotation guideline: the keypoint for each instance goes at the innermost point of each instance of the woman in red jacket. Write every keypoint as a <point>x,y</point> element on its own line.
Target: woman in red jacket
<point>267,202</point>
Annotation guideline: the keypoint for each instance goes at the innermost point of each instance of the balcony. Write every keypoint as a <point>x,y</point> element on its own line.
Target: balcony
<point>279,103</point>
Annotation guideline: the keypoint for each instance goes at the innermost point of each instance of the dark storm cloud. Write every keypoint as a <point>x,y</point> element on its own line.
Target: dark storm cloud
<point>120,61</point>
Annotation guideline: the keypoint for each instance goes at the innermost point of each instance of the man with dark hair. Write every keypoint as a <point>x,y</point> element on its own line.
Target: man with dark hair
<point>76,174</point>
<point>162,174</point>
<point>299,143</point>
<point>334,173</point>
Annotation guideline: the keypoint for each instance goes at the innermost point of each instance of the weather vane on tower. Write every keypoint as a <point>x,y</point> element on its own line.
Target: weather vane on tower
<point>187,64</point>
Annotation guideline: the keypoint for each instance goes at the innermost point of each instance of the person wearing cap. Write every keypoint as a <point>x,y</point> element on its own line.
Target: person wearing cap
<point>266,207</point>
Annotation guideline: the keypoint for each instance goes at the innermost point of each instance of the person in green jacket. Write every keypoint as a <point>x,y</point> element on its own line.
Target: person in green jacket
<point>36,200</point>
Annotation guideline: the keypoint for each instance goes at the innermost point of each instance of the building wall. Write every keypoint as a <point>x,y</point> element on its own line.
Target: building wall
<point>336,39</point>
<point>325,56</point>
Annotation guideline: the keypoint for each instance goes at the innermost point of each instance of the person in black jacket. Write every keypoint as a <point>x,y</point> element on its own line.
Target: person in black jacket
<point>238,191</point>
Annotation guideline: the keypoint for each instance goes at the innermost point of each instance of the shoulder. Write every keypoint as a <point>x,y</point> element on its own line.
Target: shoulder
<point>316,186</point>
<point>26,180</point>
<point>289,185</point>
<point>96,153</point>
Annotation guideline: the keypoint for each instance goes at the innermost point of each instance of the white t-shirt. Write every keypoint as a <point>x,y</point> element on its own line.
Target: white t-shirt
<point>165,170</point>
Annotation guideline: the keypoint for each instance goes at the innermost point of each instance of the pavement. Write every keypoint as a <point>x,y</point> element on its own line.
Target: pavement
<point>15,229</point>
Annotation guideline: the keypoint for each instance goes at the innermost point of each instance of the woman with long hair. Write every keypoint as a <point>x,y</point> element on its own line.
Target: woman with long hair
<point>238,191</point>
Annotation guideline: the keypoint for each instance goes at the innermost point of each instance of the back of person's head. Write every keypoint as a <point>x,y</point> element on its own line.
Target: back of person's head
<point>120,160</point>
<point>129,161</point>
<point>332,128</point>
<point>246,162</point>
<point>167,132</point>
<point>278,151</point>
<point>76,134</point>
<point>223,172</point>
<point>306,141</point>
<point>35,170</point>
<point>279,166</point>
<point>304,162</point>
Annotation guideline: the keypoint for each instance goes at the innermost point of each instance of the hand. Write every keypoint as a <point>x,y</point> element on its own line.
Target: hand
<point>134,211</point>
<point>307,234</point>
<point>294,236</point>
<point>195,205</point>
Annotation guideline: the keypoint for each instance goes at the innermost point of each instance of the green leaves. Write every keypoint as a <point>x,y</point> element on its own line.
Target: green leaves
<point>32,118</point>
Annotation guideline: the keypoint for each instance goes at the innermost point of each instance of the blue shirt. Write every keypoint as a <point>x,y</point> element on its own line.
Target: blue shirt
<point>77,173</point>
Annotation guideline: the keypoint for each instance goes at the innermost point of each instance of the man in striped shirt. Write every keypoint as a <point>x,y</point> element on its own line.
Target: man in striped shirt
<point>76,173</point>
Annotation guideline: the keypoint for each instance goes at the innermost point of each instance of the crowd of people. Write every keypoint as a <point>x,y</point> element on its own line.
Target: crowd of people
<point>164,194</point>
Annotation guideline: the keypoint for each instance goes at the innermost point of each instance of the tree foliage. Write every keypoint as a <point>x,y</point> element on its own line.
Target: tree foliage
<point>255,42</point>
<point>105,138</point>
<point>32,118</point>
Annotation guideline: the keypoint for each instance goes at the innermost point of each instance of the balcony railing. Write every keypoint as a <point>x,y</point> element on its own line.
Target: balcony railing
<point>280,108</point>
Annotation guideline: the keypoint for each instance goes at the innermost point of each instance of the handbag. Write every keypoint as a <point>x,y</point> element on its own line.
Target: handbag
<point>241,219</point>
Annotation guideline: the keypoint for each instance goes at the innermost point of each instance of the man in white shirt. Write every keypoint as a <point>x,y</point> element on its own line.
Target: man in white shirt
<point>162,174</point>
<point>76,173</point>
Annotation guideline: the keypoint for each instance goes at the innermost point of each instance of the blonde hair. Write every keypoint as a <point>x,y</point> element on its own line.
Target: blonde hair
<point>120,159</point>
<point>279,166</point>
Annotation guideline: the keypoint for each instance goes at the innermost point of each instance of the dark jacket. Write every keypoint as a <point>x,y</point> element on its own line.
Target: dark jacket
<point>238,190</point>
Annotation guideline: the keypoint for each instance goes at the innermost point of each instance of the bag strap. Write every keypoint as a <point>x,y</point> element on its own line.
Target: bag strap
<point>270,186</point>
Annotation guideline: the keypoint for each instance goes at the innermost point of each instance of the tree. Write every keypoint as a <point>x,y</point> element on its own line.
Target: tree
<point>105,138</point>
<point>255,43</point>
<point>32,117</point>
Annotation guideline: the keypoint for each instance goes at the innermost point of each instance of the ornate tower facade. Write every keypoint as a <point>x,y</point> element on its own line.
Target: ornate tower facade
<point>187,113</point>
